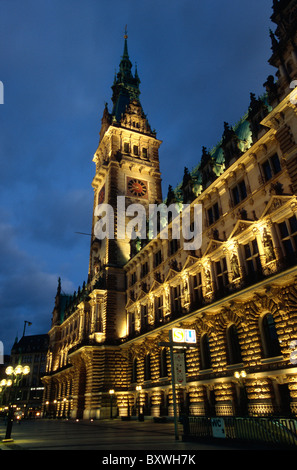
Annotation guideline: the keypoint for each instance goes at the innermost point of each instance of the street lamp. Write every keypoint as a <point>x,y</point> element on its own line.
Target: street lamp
<point>111,393</point>
<point>240,375</point>
<point>138,389</point>
<point>16,374</point>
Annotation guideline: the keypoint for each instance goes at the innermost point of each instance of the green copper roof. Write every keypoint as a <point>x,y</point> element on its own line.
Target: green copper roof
<point>243,132</point>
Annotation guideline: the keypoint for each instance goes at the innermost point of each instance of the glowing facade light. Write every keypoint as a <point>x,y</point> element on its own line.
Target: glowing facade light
<point>9,370</point>
<point>241,374</point>
<point>18,370</point>
<point>26,370</point>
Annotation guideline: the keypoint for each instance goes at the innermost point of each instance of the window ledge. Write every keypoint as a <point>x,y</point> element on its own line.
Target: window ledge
<point>239,365</point>
<point>205,371</point>
<point>272,359</point>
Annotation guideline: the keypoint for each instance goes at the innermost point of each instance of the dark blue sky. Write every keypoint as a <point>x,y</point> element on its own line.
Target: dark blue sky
<point>197,60</point>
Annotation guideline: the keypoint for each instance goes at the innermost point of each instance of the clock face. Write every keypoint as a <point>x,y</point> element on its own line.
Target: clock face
<point>136,187</point>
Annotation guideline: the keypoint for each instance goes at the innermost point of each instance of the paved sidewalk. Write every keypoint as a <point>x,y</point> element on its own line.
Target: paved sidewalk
<point>104,435</point>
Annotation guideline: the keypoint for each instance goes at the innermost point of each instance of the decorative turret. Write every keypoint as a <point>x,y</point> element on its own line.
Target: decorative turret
<point>57,309</point>
<point>127,111</point>
<point>61,301</point>
<point>284,44</point>
<point>230,144</point>
<point>256,112</point>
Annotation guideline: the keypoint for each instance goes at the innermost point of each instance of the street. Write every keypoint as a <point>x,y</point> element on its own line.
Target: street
<point>107,436</point>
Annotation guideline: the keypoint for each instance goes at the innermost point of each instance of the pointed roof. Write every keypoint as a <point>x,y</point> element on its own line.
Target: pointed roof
<point>126,86</point>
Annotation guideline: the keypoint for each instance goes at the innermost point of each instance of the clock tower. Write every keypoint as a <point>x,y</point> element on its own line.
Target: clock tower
<point>127,165</point>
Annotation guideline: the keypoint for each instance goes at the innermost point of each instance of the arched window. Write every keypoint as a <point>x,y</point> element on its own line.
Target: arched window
<point>147,367</point>
<point>270,342</point>
<point>163,363</point>
<point>205,357</point>
<point>233,346</point>
<point>134,371</point>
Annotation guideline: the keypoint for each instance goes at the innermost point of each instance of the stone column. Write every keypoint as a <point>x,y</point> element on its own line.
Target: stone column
<point>259,392</point>
<point>224,399</point>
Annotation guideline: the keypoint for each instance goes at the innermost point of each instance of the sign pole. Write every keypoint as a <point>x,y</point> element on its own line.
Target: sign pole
<point>173,385</point>
<point>179,338</point>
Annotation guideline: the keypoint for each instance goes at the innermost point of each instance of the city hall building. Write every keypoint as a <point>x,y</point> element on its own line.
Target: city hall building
<point>108,342</point>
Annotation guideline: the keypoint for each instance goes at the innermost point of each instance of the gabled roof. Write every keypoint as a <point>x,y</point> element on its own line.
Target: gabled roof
<point>240,226</point>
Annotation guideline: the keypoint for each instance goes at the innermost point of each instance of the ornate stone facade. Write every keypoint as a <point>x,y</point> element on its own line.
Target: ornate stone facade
<point>238,290</point>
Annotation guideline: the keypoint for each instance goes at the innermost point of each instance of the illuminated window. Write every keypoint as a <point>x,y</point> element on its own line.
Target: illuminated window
<point>270,342</point>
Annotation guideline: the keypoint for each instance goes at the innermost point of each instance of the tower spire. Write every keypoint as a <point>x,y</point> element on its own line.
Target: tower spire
<point>126,43</point>
<point>126,86</point>
<point>125,64</point>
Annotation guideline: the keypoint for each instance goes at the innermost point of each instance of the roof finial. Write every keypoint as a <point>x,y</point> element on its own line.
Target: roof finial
<point>126,35</point>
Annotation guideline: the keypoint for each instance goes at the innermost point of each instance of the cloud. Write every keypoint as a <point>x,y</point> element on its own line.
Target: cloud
<point>54,217</point>
<point>26,290</point>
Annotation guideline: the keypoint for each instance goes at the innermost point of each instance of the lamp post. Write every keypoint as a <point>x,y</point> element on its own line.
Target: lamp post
<point>111,393</point>
<point>178,338</point>
<point>16,374</point>
<point>240,375</point>
<point>138,389</point>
